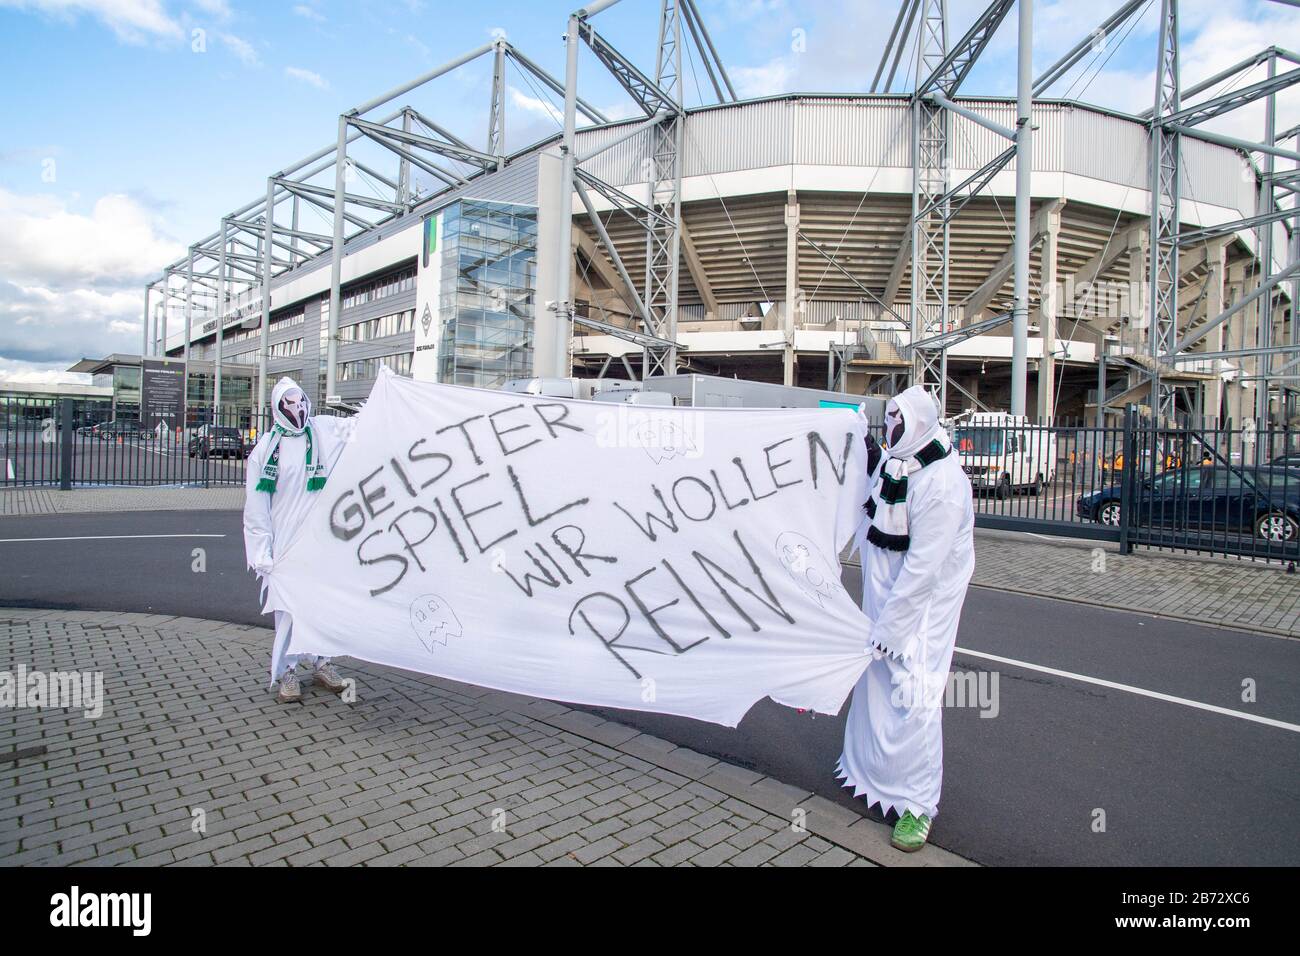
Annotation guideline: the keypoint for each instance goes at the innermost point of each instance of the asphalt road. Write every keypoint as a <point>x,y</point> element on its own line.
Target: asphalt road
<point>1178,785</point>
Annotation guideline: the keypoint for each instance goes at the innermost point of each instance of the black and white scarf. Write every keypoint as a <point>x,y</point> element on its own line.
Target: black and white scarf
<point>886,507</point>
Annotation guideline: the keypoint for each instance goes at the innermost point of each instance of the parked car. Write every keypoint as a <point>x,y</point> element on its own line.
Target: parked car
<point>1263,501</point>
<point>216,441</point>
<point>118,428</point>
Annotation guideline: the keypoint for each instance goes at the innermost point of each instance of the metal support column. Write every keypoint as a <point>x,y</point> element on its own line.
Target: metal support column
<point>564,252</point>
<point>1047,314</point>
<point>336,259</point>
<point>222,294</point>
<point>189,315</point>
<point>663,232</point>
<point>1165,149</point>
<point>403,173</point>
<point>1263,361</point>
<point>166,308</point>
<point>496,138</point>
<point>1024,178</point>
<point>144,342</point>
<point>793,299</point>
<point>930,174</point>
<point>264,351</point>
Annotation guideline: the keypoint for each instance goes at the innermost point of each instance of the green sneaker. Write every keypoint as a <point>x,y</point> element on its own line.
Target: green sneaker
<point>910,833</point>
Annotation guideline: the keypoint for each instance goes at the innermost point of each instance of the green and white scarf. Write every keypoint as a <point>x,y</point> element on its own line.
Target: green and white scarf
<point>887,506</point>
<point>271,470</point>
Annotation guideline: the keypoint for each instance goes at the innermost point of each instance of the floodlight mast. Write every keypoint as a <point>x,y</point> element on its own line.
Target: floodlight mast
<point>662,100</point>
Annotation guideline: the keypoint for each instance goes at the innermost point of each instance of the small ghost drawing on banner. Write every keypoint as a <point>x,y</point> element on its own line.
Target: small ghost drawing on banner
<point>434,621</point>
<point>807,566</point>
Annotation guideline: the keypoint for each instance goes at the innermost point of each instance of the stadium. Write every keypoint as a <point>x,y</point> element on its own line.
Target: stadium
<point>852,242</point>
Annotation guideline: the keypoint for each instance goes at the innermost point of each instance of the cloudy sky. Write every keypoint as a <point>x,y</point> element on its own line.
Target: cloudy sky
<point>131,126</point>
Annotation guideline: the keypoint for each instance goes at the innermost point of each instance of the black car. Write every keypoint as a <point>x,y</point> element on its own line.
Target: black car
<point>1262,501</point>
<point>116,429</point>
<point>216,441</point>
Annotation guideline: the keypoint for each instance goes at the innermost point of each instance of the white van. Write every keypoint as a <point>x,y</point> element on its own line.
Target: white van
<point>1002,453</point>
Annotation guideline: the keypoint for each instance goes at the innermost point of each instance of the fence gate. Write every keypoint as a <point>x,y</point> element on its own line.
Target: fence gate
<point>75,443</point>
<point>1225,489</point>
<point>1230,489</point>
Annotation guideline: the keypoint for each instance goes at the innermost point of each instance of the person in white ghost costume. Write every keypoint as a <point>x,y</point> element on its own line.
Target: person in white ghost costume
<point>287,467</point>
<point>918,553</point>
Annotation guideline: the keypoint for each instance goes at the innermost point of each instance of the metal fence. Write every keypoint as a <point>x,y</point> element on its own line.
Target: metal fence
<point>1223,489</point>
<point>1230,489</point>
<point>73,443</point>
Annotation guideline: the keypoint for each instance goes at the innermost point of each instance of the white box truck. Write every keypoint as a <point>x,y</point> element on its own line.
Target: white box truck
<point>1004,453</point>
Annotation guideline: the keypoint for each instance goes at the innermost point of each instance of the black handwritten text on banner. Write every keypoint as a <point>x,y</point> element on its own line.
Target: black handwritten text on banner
<point>677,560</point>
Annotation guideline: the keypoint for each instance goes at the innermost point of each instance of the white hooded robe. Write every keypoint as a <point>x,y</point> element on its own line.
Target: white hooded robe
<point>893,740</point>
<point>271,520</point>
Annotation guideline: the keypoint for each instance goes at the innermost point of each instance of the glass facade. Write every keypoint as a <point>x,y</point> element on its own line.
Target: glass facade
<point>379,328</point>
<point>489,279</point>
<point>126,392</point>
<point>381,288</point>
<point>236,397</point>
<point>361,370</point>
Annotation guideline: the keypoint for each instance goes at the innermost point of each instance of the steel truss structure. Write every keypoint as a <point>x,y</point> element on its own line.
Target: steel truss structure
<point>271,235</point>
<point>661,98</point>
<point>935,202</point>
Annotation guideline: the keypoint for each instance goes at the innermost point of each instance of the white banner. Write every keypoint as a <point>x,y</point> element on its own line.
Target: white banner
<point>683,561</point>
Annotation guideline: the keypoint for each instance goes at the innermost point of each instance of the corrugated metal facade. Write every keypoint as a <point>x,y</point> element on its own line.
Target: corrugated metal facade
<point>876,132</point>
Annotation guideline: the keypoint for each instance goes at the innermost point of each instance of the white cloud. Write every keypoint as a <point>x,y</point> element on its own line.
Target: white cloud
<point>39,373</point>
<point>219,9</point>
<point>241,48</point>
<point>45,325</point>
<point>765,80</point>
<point>74,283</point>
<point>307,76</point>
<point>43,242</point>
<point>308,12</point>
<point>134,21</point>
<point>535,105</point>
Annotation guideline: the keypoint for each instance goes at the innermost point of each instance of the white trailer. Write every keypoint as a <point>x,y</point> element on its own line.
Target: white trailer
<point>699,391</point>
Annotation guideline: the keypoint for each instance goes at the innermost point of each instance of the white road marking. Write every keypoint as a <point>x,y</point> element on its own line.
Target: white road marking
<point>108,537</point>
<point>1156,695</point>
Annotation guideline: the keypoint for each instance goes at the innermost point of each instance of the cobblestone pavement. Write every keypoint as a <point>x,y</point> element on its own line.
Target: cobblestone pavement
<point>1223,591</point>
<point>417,771</point>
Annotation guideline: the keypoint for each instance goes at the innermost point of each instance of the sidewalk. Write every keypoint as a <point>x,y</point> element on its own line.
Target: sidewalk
<point>49,501</point>
<point>418,771</point>
<point>1201,590</point>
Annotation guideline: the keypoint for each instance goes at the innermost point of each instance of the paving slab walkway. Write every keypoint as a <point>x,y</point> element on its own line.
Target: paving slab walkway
<point>1226,592</point>
<point>192,762</point>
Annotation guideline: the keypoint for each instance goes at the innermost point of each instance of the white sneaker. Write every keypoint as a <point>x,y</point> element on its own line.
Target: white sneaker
<point>328,677</point>
<point>290,691</point>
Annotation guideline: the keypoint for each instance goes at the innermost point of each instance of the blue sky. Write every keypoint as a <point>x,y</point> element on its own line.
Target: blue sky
<point>132,125</point>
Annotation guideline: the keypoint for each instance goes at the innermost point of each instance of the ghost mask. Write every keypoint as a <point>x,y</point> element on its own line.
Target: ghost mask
<point>894,424</point>
<point>291,407</point>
